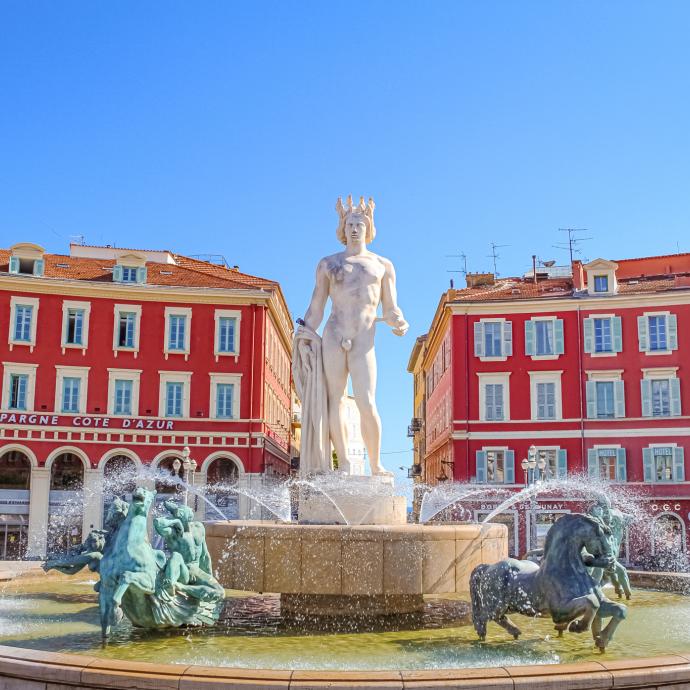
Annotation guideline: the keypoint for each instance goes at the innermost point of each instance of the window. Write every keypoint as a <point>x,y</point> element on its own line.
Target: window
<point>545,394</point>
<point>126,335</point>
<point>603,335</point>
<point>544,337</point>
<point>546,400</point>
<point>19,384</point>
<point>173,398</point>
<point>494,409</point>
<point>123,396</point>
<point>178,323</point>
<point>555,461</point>
<point>129,274</point>
<point>660,393</point>
<point>657,333</point>
<point>608,464</point>
<point>226,334</point>
<point>177,330</point>
<point>123,391</point>
<point>664,464</point>
<point>605,394</point>
<point>605,400</point>
<point>495,466</point>
<point>75,327</point>
<point>70,394</point>
<point>174,393</point>
<point>22,323</point>
<point>493,339</point>
<point>601,283</point>
<point>27,259</point>
<point>224,396</point>
<point>71,389</point>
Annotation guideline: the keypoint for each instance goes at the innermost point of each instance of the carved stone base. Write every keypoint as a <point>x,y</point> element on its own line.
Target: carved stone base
<point>357,606</point>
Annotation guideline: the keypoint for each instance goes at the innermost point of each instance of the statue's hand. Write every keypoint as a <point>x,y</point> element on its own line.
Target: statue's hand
<point>401,328</point>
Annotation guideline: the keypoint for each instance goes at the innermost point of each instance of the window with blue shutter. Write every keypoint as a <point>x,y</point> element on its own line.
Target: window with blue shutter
<point>672,325</point>
<point>127,328</point>
<point>661,398</point>
<point>173,398</point>
<point>510,467</point>
<point>657,333</point>
<point>591,397</point>
<point>546,400</point>
<point>558,337</point>
<point>562,463</point>
<point>75,327</point>
<point>507,338</point>
<point>226,334</point>
<point>617,331</point>
<point>592,462</point>
<point>663,463</point>
<point>23,314</point>
<point>603,335</point>
<point>544,337</point>
<point>141,274</point>
<point>621,465</point>
<point>481,467</point>
<point>39,267</point>
<point>606,407</point>
<point>643,333</point>
<point>123,396</point>
<point>19,384</point>
<point>493,339</point>
<point>117,273</point>
<point>530,348</point>
<point>648,464</point>
<point>678,464</point>
<point>494,407</point>
<point>646,392</point>
<point>619,395</point>
<point>129,274</point>
<point>674,392</point>
<point>224,399</point>
<point>70,394</point>
<point>14,264</point>
<point>176,332</point>
<point>478,339</point>
<point>588,335</point>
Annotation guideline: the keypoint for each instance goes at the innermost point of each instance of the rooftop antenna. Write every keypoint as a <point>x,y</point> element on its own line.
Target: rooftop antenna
<point>495,256</point>
<point>77,239</point>
<point>573,240</point>
<point>461,256</point>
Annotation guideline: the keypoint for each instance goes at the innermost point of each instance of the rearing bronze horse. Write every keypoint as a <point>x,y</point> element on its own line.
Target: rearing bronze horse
<point>560,586</point>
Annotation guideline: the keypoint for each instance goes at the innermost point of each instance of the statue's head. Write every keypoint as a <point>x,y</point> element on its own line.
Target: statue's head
<point>117,512</point>
<point>180,511</point>
<point>141,501</point>
<point>597,540</point>
<point>355,220</point>
<point>602,509</point>
<point>96,540</point>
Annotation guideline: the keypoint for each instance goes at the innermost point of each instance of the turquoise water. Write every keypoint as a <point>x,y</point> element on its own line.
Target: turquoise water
<point>61,615</point>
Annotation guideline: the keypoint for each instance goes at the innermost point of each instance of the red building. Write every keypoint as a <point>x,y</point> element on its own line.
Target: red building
<point>588,365</point>
<point>115,359</point>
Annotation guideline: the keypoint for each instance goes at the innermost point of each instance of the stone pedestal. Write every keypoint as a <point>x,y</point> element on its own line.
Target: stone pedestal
<point>351,500</point>
<point>93,501</point>
<point>38,513</point>
<point>355,606</point>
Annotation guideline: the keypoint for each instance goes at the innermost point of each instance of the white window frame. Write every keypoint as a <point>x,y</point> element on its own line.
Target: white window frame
<point>607,376</point>
<point>117,310</point>
<point>494,377</point>
<point>553,320</point>
<point>503,357</point>
<point>610,318</point>
<point>226,314</point>
<point>9,368</point>
<point>668,349</point>
<point>609,446</point>
<point>601,267</point>
<point>86,308</point>
<point>663,373</point>
<point>17,301</point>
<point>81,373</point>
<point>554,377</point>
<point>662,482</point>
<point>133,375</point>
<point>183,377</point>
<point>178,311</point>
<point>235,380</point>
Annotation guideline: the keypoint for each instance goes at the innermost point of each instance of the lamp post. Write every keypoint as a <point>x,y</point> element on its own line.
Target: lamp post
<point>187,464</point>
<point>534,469</point>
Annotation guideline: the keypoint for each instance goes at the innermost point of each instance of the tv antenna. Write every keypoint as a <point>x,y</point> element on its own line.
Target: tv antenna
<point>463,257</point>
<point>573,241</point>
<point>495,256</point>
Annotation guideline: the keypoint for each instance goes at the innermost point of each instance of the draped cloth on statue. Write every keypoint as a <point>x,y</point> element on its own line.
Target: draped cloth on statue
<point>310,382</point>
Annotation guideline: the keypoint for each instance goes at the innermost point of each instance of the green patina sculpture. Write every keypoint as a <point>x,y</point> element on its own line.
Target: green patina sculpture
<point>153,590</point>
<point>560,585</point>
<point>616,521</point>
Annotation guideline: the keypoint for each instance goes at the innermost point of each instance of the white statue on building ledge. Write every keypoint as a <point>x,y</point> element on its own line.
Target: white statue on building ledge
<point>357,281</point>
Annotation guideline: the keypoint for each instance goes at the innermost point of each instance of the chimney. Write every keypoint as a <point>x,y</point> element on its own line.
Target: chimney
<point>578,275</point>
<point>480,279</point>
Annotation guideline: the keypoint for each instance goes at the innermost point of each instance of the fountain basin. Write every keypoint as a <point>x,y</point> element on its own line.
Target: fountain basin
<point>352,570</point>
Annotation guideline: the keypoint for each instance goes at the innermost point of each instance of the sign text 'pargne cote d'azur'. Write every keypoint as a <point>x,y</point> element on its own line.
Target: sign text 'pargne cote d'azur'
<point>86,421</point>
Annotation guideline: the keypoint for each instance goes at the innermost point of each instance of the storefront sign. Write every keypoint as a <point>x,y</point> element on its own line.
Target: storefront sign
<point>666,507</point>
<point>95,422</point>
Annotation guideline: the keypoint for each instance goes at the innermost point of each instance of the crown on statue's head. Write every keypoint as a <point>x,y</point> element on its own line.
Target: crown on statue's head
<point>363,209</point>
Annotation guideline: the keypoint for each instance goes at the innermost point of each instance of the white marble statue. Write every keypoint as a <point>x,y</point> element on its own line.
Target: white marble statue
<point>356,280</point>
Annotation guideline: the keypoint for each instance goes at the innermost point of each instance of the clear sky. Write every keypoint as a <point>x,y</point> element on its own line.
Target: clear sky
<point>231,128</point>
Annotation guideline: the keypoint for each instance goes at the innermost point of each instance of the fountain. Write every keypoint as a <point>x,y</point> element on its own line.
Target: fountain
<point>349,594</point>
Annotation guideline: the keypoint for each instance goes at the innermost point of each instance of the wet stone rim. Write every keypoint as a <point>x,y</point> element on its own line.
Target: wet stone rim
<point>32,670</point>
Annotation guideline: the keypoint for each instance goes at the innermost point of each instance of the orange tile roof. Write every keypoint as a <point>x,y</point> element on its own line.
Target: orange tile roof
<point>187,272</point>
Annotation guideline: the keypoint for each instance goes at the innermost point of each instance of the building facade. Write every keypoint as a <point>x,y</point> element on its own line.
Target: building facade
<point>114,361</point>
<point>589,368</point>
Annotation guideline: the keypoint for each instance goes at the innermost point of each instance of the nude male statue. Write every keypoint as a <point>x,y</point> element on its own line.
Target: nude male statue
<point>356,280</point>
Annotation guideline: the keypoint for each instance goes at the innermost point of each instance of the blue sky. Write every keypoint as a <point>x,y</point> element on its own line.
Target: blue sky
<point>231,128</point>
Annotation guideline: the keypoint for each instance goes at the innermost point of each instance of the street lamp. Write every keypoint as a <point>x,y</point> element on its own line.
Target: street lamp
<point>532,478</point>
<point>187,464</point>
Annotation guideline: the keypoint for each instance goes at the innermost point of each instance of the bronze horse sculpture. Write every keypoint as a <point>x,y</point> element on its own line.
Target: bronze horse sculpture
<point>559,586</point>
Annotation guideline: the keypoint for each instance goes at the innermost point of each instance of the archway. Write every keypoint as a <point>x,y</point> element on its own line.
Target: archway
<point>15,483</point>
<point>222,475</point>
<point>668,539</point>
<point>119,479</point>
<point>66,503</point>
